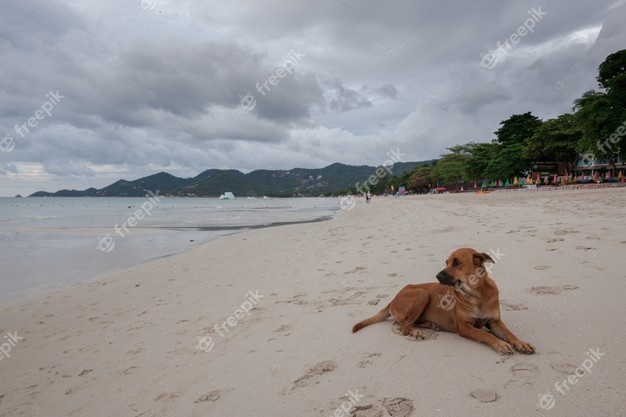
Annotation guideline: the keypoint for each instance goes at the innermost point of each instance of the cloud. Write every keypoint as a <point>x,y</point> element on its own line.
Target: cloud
<point>388,91</point>
<point>343,99</point>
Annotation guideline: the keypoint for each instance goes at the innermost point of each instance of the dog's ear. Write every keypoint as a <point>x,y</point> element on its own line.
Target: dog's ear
<point>480,258</point>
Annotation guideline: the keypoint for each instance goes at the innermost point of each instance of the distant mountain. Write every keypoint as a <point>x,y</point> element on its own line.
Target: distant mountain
<point>213,182</point>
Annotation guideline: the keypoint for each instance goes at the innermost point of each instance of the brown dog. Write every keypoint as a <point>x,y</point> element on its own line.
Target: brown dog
<point>466,302</point>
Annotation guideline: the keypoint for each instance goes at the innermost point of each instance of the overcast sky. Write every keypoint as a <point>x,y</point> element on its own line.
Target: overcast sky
<point>127,88</point>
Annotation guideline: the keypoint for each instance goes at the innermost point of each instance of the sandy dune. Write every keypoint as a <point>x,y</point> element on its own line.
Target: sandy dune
<point>258,324</point>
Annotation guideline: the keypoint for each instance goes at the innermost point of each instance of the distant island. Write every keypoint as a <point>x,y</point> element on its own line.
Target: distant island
<point>333,179</point>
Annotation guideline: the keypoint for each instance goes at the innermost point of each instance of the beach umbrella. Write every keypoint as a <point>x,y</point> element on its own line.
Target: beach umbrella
<point>523,182</point>
<point>475,185</point>
<point>493,183</point>
<point>528,180</point>
<point>484,184</point>
<point>608,175</point>
<point>538,179</point>
<point>507,183</point>
<point>556,179</point>
<point>499,183</point>
<point>595,176</point>
<point>546,180</point>
<point>515,181</point>
<point>620,175</point>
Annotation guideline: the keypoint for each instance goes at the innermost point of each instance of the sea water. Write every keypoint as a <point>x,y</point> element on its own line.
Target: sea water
<point>47,244</point>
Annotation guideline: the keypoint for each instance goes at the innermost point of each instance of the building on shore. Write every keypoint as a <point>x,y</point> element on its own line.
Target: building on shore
<point>589,165</point>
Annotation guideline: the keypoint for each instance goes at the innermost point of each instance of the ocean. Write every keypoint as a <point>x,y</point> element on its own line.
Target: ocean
<point>47,244</point>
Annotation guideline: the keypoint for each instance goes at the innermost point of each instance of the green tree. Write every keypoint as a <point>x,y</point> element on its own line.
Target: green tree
<point>556,140</point>
<point>511,139</point>
<point>450,169</point>
<point>421,179</point>
<point>517,128</point>
<point>480,154</point>
<point>507,162</point>
<point>597,120</point>
<point>612,69</point>
<point>600,114</point>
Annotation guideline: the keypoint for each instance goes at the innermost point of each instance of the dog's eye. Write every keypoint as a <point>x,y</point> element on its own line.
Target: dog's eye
<point>456,262</point>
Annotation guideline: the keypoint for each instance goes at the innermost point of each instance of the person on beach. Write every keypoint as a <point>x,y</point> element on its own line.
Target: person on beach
<point>368,197</point>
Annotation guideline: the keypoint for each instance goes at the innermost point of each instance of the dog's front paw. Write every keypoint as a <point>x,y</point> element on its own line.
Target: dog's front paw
<point>523,347</point>
<point>503,348</point>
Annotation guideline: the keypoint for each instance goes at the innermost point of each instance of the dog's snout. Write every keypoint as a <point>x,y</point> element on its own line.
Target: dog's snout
<point>444,278</point>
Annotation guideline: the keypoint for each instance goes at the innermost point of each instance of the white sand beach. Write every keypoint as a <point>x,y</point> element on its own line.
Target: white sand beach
<point>147,342</point>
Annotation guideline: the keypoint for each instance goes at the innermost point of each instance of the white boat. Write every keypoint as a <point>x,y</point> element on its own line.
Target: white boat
<point>227,196</point>
<point>266,198</point>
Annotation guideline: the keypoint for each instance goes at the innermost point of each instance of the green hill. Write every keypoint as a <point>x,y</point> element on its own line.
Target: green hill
<point>213,182</point>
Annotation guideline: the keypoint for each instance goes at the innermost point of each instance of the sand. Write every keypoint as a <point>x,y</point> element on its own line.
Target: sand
<point>143,342</point>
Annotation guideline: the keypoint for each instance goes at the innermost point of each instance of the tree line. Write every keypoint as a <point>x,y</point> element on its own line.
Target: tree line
<point>597,125</point>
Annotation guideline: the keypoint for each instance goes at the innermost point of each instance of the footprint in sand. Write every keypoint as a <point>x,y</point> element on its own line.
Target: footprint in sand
<point>214,395</point>
<point>367,410</point>
<point>542,267</point>
<point>485,396</point>
<point>166,395</point>
<point>355,270</point>
<point>314,373</point>
<point>426,334</point>
<point>282,329</point>
<point>556,239</point>
<point>524,374</point>
<point>367,362</point>
<point>565,232</point>
<point>585,248</point>
<point>558,362</point>
<point>129,371</point>
<point>513,307</point>
<point>398,407</point>
<point>541,290</point>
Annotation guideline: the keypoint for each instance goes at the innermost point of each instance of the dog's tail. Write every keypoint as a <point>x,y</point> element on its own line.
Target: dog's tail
<point>381,316</point>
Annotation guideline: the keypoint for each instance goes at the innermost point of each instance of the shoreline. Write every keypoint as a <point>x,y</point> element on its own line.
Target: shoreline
<point>147,336</point>
<point>31,293</point>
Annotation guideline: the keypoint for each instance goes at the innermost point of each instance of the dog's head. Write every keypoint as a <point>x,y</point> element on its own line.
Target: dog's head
<point>465,270</point>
